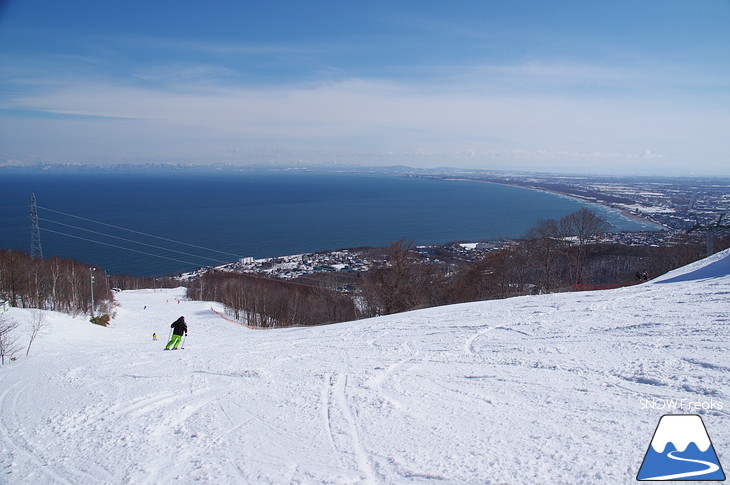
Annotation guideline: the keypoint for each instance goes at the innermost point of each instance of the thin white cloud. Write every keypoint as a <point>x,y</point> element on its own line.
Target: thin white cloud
<point>518,153</point>
<point>227,48</point>
<point>361,118</point>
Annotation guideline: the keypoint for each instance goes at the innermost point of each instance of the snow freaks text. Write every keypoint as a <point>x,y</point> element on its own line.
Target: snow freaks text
<point>685,405</point>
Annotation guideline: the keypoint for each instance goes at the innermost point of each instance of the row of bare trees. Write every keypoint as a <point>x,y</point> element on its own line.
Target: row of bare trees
<point>52,284</point>
<point>554,255</point>
<point>127,282</point>
<point>552,242</point>
<point>264,303</point>
<point>552,252</point>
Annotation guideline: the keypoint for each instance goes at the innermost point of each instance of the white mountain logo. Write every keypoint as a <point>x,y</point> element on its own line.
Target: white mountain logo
<point>681,450</point>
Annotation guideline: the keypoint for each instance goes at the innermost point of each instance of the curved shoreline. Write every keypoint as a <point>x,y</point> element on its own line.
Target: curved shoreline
<point>569,194</point>
<point>623,212</point>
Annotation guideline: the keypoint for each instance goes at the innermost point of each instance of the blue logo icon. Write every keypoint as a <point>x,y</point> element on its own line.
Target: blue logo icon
<point>681,450</point>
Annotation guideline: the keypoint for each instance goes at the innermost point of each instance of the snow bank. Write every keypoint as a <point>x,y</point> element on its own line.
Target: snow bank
<point>563,388</point>
<point>715,266</point>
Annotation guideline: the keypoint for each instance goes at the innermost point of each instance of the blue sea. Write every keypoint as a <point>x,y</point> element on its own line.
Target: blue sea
<point>157,224</point>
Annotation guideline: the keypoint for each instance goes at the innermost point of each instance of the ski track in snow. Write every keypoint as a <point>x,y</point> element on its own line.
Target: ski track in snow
<point>711,468</point>
<point>538,389</point>
<point>342,429</point>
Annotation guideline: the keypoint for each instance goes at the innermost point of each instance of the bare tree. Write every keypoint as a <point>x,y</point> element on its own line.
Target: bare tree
<point>584,226</point>
<point>396,284</point>
<point>544,248</point>
<point>14,279</point>
<point>504,273</point>
<point>55,274</point>
<point>8,338</point>
<point>38,321</point>
<point>330,305</point>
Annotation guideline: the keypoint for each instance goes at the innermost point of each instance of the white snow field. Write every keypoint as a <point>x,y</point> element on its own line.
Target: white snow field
<point>561,388</point>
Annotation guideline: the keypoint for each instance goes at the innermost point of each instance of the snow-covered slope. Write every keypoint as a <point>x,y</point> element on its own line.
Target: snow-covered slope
<point>564,388</point>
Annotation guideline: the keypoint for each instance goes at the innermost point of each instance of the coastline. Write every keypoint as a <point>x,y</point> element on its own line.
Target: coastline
<point>575,193</point>
<point>624,212</point>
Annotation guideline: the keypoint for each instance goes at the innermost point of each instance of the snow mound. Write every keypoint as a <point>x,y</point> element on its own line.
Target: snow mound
<point>561,388</point>
<point>715,266</point>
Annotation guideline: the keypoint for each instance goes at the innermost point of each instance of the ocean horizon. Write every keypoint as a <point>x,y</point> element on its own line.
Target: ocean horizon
<point>159,224</point>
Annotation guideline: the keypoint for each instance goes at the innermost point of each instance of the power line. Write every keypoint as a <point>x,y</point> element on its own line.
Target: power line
<point>141,233</point>
<point>132,241</point>
<point>245,274</point>
<point>254,276</point>
<point>301,277</point>
<point>119,247</point>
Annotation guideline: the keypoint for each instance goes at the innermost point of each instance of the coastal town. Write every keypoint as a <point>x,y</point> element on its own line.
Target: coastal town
<point>675,206</point>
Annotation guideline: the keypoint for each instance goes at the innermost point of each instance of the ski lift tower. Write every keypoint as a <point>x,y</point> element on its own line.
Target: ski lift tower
<point>36,252</point>
<point>711,229</point>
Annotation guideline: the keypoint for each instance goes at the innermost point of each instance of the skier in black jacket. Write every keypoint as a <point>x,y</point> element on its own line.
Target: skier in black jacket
<point>179,327</point>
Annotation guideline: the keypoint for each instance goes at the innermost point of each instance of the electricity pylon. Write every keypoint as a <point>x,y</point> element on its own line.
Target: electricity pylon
<point>35,233</point>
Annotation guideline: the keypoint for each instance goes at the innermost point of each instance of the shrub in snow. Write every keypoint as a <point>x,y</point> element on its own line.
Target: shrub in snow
<point>102,320</point>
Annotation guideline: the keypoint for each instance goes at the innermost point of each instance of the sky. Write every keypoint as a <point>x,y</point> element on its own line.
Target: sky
<point>635,87</point>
